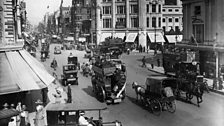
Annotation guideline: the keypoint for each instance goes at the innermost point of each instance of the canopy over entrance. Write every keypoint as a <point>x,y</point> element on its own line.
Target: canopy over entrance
<point>19,71</point>
<point>131,37</point>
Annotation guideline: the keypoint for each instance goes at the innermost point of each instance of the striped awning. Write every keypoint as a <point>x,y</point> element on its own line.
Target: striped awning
<point>159,37</point>
<point>119,35</point>
<point>104,36</point>
<point>131,37</point>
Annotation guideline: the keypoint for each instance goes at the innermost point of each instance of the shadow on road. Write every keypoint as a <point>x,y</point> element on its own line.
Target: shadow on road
<point>89,91</point>
<point>138,103</point>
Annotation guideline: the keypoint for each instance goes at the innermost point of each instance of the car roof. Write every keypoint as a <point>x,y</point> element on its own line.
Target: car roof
<point>76,107</point>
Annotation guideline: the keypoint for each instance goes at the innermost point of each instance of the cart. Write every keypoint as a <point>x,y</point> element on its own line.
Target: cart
<point>68,114</point>
<point>159,93</point>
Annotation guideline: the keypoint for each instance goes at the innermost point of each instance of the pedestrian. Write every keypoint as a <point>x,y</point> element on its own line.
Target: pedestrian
<point>69,94</point>
<point>18,117</point>
<point>40,114</point>
<point>152,65</point>
<point>143,61</point>
<point>24,117</point>
<point>57,95</point>
<point>158,62</point>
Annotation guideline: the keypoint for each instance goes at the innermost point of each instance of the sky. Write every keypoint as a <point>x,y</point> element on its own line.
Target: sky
<point>36,9</point>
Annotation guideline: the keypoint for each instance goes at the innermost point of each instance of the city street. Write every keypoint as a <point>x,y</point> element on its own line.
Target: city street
<point>131,113</point>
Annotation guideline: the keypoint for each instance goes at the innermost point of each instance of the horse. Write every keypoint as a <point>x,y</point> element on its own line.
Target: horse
<point>139,90</point>
<point>192,89</point>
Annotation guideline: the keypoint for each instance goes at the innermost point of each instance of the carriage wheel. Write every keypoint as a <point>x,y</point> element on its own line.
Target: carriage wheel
<point>171,106</point>
<point>101,94</point>
<point>155,107</point>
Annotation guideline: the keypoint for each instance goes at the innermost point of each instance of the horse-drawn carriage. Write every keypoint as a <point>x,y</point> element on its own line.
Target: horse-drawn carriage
<point>69,114</point>
<point>70,71</point>
<point>108,81</point>
<point>158,94</point>
<point>185,68</point>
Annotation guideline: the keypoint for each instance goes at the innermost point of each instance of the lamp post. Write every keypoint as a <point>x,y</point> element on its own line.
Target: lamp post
<point>155,50</point>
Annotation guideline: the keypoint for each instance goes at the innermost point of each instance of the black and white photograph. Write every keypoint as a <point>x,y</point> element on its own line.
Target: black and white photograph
<point>111,62</point>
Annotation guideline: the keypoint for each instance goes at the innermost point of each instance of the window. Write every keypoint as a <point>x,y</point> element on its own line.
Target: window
<point>147,21</point>
<point>154,8</point>
<point>154,22</point>
<point>176,19</point>
<point>147,8</point>
<point>107,23</point>
<point>176,10</point>
<point>120,0</point>
<point>107,10</point>
<point>134,9</point>
<point>159,21</point>
<point>107,0</point>
<point>121,9</point>
<point>121,22</point>
<point>170,2</point>
<point>170,20</point>
<point>164,10</point>
<point>134,22</point>
<point>170,10</point>
<point>159,8</point>
<point>197,10</point>
<point>177,28</point>
<point>164,20</point>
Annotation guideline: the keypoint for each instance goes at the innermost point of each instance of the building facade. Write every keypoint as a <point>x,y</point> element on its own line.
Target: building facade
<point>81,19</point>
<point>172,16</point>
<point>137,21</point>
<point>203,32</point>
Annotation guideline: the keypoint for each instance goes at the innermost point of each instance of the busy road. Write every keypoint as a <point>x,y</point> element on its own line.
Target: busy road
<point>132,113</point>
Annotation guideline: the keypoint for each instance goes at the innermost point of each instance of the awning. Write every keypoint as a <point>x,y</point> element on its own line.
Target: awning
<point>119,35</point>
<point>104,36</point>
<point>131,37</point>
<point>159,37</point>
<point>179,38</point>
<point>21,72</point>
<point>171,38</point>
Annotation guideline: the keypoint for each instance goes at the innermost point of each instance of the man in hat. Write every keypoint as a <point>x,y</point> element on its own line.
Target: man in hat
<point>13,119</point>
<point>5,106</point>
<point>40,114</point>
<point>82,119</point>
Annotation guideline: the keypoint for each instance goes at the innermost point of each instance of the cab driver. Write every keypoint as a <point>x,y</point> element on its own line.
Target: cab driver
<point>82,120</point>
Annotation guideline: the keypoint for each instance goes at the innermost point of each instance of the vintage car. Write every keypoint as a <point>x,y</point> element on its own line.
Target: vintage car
<point>69,75</point>
<point>68,114</point>
<point>57,50</point>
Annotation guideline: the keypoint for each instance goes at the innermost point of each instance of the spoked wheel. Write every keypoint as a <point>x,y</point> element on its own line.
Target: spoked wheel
<point>101,94</point>
<point>171,106</point>
<point>155,107</point>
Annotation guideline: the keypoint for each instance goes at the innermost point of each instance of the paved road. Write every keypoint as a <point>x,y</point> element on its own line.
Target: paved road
<point>131,113</point>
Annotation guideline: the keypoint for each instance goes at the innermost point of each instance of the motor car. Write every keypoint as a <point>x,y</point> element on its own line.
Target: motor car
<point>57,50</point>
